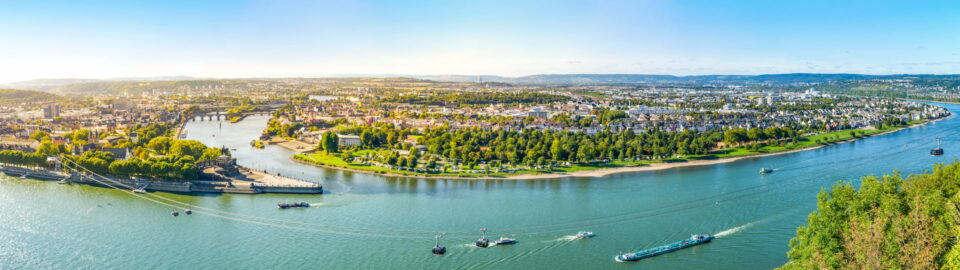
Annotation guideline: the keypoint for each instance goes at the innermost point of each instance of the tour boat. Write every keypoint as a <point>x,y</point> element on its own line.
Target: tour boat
<point>582,235</point>
<point>505,241</point>
<point>694,240</point>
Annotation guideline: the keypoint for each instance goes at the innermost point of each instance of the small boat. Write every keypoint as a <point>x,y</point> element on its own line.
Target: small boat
<point>505,241</point>
<point>765,171</point>
<point>139,190</point>
<point>694,240</point>
<point>483,241</point>
<point>438,249</point>
<point>937,151</point>
<point>583,235</point>
<point>188,211</point>
<point>292,205</point>
<point>175,213</point>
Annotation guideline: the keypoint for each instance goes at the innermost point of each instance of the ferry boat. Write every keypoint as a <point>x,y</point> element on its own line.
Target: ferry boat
<point>694,240</point>
<point>290,205</point>
<point>765,171</point>
<point>583,235</point>
<point>937,151</point>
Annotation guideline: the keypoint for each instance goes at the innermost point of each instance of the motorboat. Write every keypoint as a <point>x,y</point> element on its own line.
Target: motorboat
<point>582,235</point>
<point>505,241</point>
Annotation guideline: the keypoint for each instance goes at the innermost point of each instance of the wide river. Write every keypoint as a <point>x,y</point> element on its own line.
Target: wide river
<point>373,222</point>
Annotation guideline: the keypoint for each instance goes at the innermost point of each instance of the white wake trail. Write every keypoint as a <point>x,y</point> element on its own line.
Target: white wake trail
<point>734,230</point>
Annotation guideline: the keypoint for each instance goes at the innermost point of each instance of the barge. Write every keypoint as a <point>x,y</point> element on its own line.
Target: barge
<point>292,205</point>
<point>694,240</point>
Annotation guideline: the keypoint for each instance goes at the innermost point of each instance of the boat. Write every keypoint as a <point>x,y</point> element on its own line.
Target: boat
<point>583,235</point>
<point>765,171</point>
<point>483,241</point>
<point>937,151</point>
<point>175,213</point>
<point>694,240</point>
<point>505,241</point>
<point>292,205</point>
<point>139,190</point>
<point>188,211</point>
<point>438,249</point>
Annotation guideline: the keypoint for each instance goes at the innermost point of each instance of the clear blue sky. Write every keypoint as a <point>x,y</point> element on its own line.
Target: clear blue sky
<point>102,39</point>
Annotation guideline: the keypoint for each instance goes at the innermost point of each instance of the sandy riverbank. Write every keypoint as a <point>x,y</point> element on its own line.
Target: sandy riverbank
<point>609,171</point>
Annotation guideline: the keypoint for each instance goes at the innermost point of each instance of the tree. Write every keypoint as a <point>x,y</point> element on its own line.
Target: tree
<point>187,148</point>
<point>330,142</point>
<point>40,135</point>
<point>160,144</point>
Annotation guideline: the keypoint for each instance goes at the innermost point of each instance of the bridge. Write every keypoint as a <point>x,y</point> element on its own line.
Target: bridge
<point>220,112</point>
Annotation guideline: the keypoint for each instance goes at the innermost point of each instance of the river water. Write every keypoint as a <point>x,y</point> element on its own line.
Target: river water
<point>373,222</point>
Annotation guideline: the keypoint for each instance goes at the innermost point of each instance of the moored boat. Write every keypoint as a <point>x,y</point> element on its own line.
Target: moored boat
<point>694,240</point>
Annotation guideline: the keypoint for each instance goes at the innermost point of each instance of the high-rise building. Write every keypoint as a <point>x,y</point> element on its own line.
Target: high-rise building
<point>51,111</point>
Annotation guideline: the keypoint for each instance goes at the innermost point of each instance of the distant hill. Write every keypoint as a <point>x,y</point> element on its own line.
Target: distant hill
<point>14,96</point>
<point>50,84</point>
<point>616,79</point>
<point>141,85</point>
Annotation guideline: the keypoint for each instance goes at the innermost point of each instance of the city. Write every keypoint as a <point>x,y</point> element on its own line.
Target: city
<point>479,135</point>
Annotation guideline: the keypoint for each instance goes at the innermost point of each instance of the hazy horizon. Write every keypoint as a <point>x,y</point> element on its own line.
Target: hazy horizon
<point>267,39</point>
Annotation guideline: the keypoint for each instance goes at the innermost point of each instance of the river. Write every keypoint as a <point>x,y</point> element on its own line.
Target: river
<point>373,222</point>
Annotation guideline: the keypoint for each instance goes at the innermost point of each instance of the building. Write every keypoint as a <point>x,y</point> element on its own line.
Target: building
<point>51,111</point>
<point>538,113</point>
<point>118,153</point>
<point>349,140</point>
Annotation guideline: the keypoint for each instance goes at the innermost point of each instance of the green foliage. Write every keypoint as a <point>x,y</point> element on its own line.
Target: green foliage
<point>21,158</point>
<point>160,144</point>
<point>330,142</point>
<point>472,146</point>
<point>886,223</point>
<point>187,148</point>
<point>39,136</point>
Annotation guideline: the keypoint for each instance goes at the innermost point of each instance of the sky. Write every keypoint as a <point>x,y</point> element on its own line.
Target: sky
<point>288,38</point>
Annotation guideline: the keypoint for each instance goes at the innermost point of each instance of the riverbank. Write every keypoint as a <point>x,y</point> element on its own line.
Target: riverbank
<point>730,155</point>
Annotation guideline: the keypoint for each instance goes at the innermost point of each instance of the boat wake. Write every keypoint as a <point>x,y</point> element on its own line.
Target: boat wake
<point>565,238</point>
<point>733,230</point>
